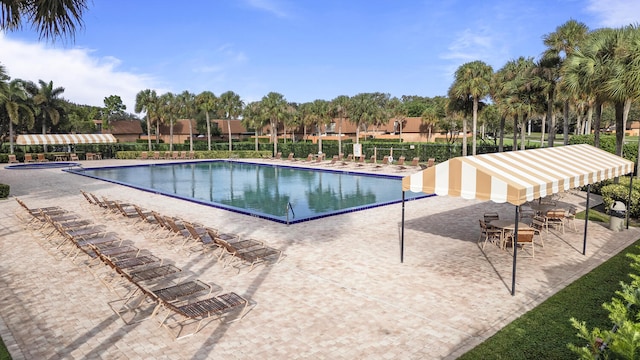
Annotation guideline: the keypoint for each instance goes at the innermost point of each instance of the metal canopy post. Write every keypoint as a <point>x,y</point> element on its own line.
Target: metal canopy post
<point>586,221</point>
<point>402,233</point>
<point>515,251</point>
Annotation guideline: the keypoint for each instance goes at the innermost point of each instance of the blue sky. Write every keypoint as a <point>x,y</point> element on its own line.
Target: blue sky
<point>305,50</point>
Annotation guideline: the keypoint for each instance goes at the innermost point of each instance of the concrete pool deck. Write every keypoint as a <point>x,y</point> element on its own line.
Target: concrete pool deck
<point>340,292</point>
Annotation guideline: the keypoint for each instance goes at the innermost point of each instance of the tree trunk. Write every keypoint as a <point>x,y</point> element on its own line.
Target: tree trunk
<point>10,136</point>
<point>552,129</point>
<point>190,136</point>
<point>229,130</point>
<point>149,131</point>
<point>596,124</point>
<point>208,130</point>
<point>474,126</point>
<point>503,119</point>
<point>339,136</point>
<point>170,135</point>
<point>588,120</point>
<point>464,136</point>
<point>319,139</point>
<point>565,126</point>
<point>274,135</point>
<point>514,147</point>
<point>543,129</point>
<point>523,133</point>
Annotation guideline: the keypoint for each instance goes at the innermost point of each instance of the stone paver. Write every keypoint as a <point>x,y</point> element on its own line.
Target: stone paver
<point>340,293</point>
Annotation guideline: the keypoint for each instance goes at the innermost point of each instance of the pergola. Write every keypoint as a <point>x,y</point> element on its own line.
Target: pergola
<point>517,177</point>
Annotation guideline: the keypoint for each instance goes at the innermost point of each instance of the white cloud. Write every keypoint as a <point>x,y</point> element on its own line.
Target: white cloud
<point>87,79</point>
<point>271,6</point>
<point>468,46</point>
<point>615,13</point>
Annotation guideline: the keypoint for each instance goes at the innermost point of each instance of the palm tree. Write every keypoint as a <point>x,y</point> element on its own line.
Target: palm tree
<point>564,41</point>
<point>148,101</point>
<point>230,109</point>
<point>187,104</point>
<point>206,101</point>
<point>339,107</point>
<point>366,109</point>
<point>398,111</point>
<point>169,110</point>
<point>275,108</point>
<point>253,117</point>
<point>51,18</point>
<point>472,80</point>
<point>320,113</point>
<point>15,103</point>
<point>49,106</point>
<point>547,76</point>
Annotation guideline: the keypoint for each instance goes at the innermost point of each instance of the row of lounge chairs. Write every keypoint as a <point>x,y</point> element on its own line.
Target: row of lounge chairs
<point>184,235</point>
<point>167,155</point>
<point>153,288</point>
<point>350,160</point>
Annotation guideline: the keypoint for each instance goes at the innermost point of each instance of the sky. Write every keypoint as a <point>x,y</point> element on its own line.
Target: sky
<point>304,50</point>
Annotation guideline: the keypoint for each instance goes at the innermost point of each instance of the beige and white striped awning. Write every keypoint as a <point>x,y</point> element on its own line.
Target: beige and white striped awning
<point>519,176</point>
<point>65,139</point>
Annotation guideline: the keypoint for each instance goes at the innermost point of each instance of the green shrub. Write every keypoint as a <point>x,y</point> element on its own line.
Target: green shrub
<point>4,191</point>
<point>213,154</point>
<point>620,192</point>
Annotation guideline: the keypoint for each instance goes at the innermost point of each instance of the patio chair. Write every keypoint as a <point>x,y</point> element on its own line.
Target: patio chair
<point>166,156</point>
<point>415,162</point>
<point>570,217</point>
<point>489,234</point>
<point>156,155</point>
<point>175,155</point>
<point>555,219</point>
<point>204,241</point>
<point>539,225</point>
<point>431,162</point>
<point>309,158</point>
<point>373,160</point>
<point>214,308</point>
<point>277,157</point>
<point>333,161</point>
<point>192,155</point>
<point>290,157</point>
<point>525,240</point>
<point>13,160</point>
<point>42,158</point>
<point>144,156</point>
<point>490,216</point>
<point>28,158</point>
<point>74,157</point>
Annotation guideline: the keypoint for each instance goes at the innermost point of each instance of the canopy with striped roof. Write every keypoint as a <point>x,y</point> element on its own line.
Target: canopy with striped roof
<point>519,176</point>
<point>65,139</point>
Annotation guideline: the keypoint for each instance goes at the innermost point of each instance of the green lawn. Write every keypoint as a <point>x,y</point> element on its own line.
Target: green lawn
<point>4,353</point>
<point>544,332</point>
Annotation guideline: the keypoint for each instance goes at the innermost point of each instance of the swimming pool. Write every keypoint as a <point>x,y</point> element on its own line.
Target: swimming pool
<point>279,193</point>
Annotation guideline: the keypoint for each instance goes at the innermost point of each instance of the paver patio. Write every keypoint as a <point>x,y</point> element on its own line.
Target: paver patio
<point>340,293</point>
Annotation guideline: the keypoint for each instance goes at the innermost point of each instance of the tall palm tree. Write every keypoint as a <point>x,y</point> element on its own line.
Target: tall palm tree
<point>187,104</point>
<point>275,108</point>
<point>547,75</point>
<point>367,109</point>
<point>253,117</point>
<point>321,114</point>
<point>472,80</point>
<point>561,44</point>
<point>207,101</point>
<point>169,112</point>
<point>15,101</point>
<point>148,101</point>
<point>230,109</point>
<point>48,104</point>
<point>398,111</point>
<point>51,18</point>
<point>339,107</point>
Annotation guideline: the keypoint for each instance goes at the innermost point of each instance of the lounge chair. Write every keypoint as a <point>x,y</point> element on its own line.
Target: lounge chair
<point>144,156</point>
<point>74,157</point>
<point>183,155</point>
<point>373,159</point>
<point>415,162</point>
<point>28,158</point>
<point>192,155</point>
<point>290,157</point>
<point>309,158</point>
<point>277,157</point>
<point>156,155</point>
<point>175,155</point>
<point>333,161</point>
<point>42,158</point>
<point>249,252</point>
<point>217,307</point>
<point>204,241</point>
<point>431,162</point>
<point>13,160</point>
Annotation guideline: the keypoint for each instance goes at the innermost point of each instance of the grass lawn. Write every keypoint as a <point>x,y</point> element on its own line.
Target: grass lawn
<point>4,353</point>
<point>544,332</point>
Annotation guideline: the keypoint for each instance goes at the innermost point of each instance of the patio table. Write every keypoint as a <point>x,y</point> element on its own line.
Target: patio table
<point>508,226</point>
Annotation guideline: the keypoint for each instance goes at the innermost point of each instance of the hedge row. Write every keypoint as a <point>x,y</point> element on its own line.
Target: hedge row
<point>205,154</point>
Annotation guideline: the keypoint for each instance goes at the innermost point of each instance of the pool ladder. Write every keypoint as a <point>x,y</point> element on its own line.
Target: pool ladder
<point>289,207</point>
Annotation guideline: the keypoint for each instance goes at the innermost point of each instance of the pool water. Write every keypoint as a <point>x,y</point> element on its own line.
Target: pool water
<point>279,193</point>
